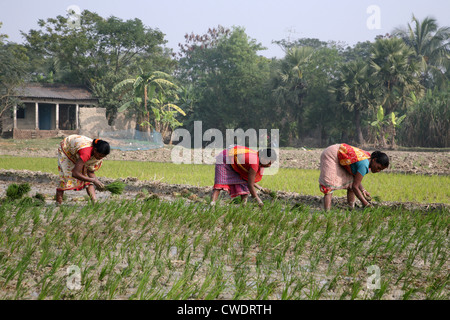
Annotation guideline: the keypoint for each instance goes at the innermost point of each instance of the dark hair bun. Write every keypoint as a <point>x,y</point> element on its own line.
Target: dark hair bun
<point>101,146</point>
<point>268,153</point>
<point>381,157</point>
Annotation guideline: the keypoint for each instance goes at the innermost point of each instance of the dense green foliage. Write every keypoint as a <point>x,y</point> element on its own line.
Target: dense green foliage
<point>431,117</point>
<point>98,54</point>
<point>228,79</point>
<point>13,66</point>
<point>317,94</point>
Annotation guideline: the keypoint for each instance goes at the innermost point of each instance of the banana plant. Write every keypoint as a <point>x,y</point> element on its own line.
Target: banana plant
<point>382,121</point>
<point>165,114</point>
<point>143,89</point>
<point>378,124</point>
<point>395,121</point>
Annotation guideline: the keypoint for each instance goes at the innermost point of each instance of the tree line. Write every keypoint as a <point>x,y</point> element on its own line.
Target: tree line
<point>391,91</point>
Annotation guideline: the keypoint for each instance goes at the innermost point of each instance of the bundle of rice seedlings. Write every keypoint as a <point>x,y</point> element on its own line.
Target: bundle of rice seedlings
<point>115,187</point>
<point>271,193</point>
<point>377,198</point>
<point>27,201</point>
<point>16,191</point>
<point>31,202</point>
<point>39,196</point>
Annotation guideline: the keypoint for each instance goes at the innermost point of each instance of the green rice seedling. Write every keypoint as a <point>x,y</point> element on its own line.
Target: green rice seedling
<point>28,201</point>
<point>208,283</point>
<point>315,290</point>
<point>220,286</point>
<point>44,289</point>
<point>115,187</point>
<point>333,283</point>
<point>236,200</point>
<point>273,194</point>
<point>58,289</point>
<point>298,290</point>
<point>24,188</point>
<point>255,253</point>
<point>265,287</point>
<point>113,285</point>
<point>39,196</point>
<point>376,198</point>
<point>356,289</point>
<point>142,285</point>
<point>285,295</point>
<point>409,293</point>
<point>240,282</point>
<point>378,294</point>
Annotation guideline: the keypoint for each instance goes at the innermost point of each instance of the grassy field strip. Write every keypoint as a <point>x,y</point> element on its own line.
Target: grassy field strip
<point>152,249</point>
<point>387,186</point>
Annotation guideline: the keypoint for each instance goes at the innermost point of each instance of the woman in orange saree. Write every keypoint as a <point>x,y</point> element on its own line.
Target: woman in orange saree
<point>343,167</point>
<point>237,171</point>
<point>78,159</point>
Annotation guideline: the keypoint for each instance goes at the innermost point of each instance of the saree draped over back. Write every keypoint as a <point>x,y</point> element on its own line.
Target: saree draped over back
<point>242,159</point>
<point>335,171</point>
<point>348,155</point>
<point>231,170</point>
<point>68,155</point>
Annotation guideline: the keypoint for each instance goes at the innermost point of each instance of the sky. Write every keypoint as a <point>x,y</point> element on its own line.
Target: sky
<point>347,21</point>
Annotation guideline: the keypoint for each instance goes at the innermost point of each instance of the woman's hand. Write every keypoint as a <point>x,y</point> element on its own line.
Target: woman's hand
<point>368,205</point>
<point>100,186</point>
<point>77,173</point>
<point>266,190</point>
<point>367,195</point>
<point>260,203</point>
<point>263,190</point>
<point>359,191</point>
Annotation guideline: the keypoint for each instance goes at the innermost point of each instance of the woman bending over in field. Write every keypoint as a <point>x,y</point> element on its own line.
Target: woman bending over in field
<point>78,159</point>
<point>343,167</point>
<point>237,171</point>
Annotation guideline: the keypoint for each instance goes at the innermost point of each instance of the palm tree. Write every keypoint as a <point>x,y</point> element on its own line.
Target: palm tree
<point>356,91</point>
<point>431,46</point>
<point>289,85</point>
<point>144,87</point>
<point>396,73</point>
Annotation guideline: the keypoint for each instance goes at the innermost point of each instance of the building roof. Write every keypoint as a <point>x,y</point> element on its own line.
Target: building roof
<point>55,91</point>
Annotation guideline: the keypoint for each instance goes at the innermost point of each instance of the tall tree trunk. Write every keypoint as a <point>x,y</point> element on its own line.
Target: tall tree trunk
<point>359,135</point>
<point>383,137</point>
<point>393,143</point>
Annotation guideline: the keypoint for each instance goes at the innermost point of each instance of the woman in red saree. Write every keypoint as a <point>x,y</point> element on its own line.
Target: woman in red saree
<point>343,167</point>
<point>78,159</point>
<point>237,171</point>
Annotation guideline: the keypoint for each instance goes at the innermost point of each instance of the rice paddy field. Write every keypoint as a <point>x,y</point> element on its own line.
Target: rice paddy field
<point>143,246</point>
<point>386,186</point>
<point>153,249</point>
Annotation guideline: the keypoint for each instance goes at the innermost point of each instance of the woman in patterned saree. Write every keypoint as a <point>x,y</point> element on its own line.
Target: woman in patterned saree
<point>343,167</point>
<point>237,171</point>
<point>78,159</point>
